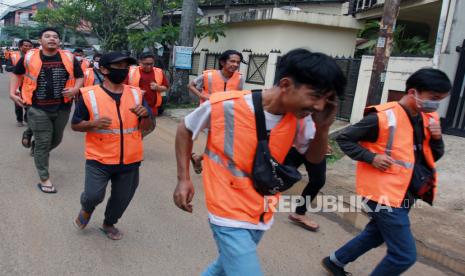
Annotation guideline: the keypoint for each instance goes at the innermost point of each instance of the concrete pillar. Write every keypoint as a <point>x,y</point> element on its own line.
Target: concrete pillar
<point>271,68</point>
<point>243,69</point>
<point>202,60</point>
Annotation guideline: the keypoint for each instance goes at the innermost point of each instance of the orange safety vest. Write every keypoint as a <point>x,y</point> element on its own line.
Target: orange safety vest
<point>33,64</point>
<point>85,64</point>
<point>134,79</point>
<point>395,138</point>
<point>104,145</point>
<point>15,57</point>
<point>213,82</point>
<point>229,157</point>
<point>89,77</point>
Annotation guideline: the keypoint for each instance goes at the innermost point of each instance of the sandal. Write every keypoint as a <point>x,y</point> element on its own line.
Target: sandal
<point>46,189</point>
<point>112,233</point>
<point>81,222</point>
<point>303,224</point>
<point>197,166</point>
<point>26,140</point>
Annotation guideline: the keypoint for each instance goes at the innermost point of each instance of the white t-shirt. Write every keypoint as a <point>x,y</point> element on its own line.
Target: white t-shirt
<point>199,120</point>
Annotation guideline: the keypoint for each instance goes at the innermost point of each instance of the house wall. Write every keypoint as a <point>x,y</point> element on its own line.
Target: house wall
<point>262,37</point>
<point>398,71</point>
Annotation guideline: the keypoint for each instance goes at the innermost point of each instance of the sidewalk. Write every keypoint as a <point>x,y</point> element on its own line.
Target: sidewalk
<point>439,230</point>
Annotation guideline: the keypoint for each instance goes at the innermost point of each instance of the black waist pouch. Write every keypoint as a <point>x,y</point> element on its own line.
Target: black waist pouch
<point>269,176</point>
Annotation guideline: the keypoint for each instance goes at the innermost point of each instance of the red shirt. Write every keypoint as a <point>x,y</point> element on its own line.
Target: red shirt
<point>144,84</point>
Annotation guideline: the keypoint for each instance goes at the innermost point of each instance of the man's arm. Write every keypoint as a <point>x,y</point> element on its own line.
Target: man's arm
<point>365,130</point>
<point>81,119</point>
<point>15,82</point>
<point>184,192</point>
<point>192,86</point>
<point>79,80</point>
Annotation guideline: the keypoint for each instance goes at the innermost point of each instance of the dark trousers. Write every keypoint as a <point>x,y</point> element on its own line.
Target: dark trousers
<point>123,187</point>
<point>21,114</point>
<point>47,128</point>
<point>386,226</point>
<point>316,176</point>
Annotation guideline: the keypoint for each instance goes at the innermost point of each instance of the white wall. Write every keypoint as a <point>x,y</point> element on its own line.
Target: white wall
<point>455,34</point>
<point>398,71</point>
<point>262,37</point>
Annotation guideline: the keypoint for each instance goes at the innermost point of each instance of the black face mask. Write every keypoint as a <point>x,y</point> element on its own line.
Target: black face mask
<point>117,76</point>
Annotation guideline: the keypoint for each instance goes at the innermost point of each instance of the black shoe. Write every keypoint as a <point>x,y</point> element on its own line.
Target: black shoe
<point>333,269</point>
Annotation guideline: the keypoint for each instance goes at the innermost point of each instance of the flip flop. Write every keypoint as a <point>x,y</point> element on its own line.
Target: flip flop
<point>81,222</point>
<point>46,189</point>
<point>26,140</point>
<point>197,169</point>
<point>112,233</point>
<point>302,224</point>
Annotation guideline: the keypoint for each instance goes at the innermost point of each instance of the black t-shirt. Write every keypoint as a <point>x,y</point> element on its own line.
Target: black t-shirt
<point>81,113</point>
<point>50,82</point>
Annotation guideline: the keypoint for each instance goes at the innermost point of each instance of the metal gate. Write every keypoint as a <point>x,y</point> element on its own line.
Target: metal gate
<point>351,68</point>
<point>455,119</point>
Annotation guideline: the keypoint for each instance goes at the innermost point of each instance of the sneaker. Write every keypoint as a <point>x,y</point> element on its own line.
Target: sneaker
<point>19,124</point>
<point>334,269</point>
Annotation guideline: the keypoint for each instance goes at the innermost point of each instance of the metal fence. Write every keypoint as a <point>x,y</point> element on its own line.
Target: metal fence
<point>351,69</point>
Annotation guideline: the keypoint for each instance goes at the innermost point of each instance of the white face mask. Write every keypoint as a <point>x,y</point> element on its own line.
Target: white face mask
<point>79,59</point>
<point>96,65</point>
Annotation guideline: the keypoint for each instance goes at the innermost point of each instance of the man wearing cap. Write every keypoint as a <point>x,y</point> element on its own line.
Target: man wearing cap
<point>113,115</point>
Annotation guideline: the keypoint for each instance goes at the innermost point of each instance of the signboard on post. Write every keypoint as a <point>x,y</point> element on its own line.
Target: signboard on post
<point>182,57</point>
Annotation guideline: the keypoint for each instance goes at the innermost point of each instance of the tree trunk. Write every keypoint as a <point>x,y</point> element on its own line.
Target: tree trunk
<point>156,15</point>
<point>179,93</point>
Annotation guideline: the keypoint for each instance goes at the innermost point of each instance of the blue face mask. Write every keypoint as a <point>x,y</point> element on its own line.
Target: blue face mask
<point>426,106</point>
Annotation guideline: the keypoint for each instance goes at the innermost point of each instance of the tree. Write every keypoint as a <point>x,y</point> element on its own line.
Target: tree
<point>402,43</point>
<point>179,93</point>
<point>107,19</point>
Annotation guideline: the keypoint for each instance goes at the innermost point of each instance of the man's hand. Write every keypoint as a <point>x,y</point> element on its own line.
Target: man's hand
<point>205,98</point>
<point>17,99</point>
<point>382,162</point>
<point>102,123</point>
<point>140,111</point>
<point>325,118</point>
<point>183,195</point>
<point>435,130</point>
<point>153,86</point>
<point>70,92</point>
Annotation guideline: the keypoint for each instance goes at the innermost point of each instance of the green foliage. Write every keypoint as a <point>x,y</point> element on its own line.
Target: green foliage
<point>402,44</point>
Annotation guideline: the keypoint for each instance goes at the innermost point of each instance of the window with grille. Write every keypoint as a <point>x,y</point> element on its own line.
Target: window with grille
<point>257,69</point>
<point>212,61</point>
<point>195,64</point>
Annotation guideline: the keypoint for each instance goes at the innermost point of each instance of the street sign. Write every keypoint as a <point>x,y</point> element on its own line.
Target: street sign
<point>182,57</point>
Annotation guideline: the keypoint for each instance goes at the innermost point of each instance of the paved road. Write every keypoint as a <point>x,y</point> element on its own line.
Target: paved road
<point>37,236</point>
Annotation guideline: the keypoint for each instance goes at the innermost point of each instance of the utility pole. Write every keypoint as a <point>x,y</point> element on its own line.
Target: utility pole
<point>382,51</point>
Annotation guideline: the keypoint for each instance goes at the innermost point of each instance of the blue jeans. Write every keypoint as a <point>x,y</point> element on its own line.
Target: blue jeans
<point>390,227</point>
<point>237,248</point>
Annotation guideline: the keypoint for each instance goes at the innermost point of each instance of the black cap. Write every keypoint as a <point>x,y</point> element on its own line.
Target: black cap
<point>114,57</point>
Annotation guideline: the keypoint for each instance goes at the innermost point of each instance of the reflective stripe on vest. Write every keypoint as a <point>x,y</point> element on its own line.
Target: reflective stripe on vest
<point>392,124</point>
<point>210,82</point>
<point>27,59</point>
<point>93,103</point>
